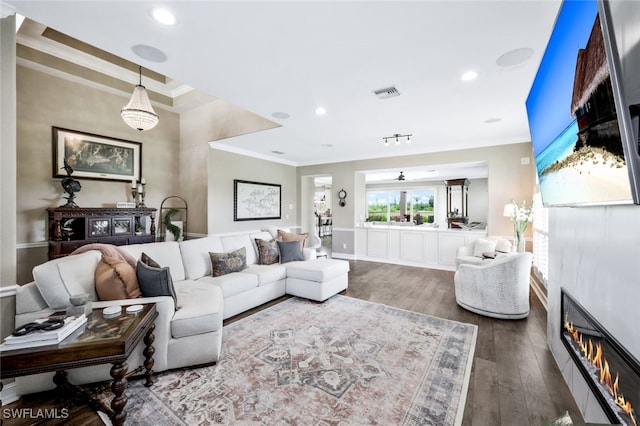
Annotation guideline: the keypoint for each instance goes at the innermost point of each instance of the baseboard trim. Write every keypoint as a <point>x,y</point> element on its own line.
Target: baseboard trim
<point>536,286</point>
<point>38,244</point>
<point>346,256</point>
<point>8,291</point>
<point>394,261</point>
<point>192,235</point>
<point>9,393</point>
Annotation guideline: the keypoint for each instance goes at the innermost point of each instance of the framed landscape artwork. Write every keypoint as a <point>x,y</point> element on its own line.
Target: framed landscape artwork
<point>256,201</point>
<point>95,157</point>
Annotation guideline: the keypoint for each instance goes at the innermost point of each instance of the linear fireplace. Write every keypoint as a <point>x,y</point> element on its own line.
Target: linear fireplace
<point>612,373</point>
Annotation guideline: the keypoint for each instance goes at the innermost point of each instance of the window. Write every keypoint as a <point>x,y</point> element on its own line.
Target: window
<point>423,201</point>
<point>394,206</point>
<point>386,205</point>
<point>377,206</point>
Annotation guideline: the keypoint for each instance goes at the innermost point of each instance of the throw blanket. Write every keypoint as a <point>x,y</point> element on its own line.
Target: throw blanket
<point>108,250</point>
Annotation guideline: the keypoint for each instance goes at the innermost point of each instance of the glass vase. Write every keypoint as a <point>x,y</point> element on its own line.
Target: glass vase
<point>519,242</point>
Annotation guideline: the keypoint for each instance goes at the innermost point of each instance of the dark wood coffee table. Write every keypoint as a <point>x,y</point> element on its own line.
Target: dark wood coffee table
<point>101,341</point>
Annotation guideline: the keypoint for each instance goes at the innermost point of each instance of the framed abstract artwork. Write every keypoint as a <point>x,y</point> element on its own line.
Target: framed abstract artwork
<point>256,200</point>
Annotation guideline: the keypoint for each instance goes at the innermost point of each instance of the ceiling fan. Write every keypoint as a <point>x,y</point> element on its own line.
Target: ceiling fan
<point>401,177</point>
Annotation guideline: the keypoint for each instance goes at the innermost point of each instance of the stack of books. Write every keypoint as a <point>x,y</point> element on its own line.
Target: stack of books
<point>42,337</point>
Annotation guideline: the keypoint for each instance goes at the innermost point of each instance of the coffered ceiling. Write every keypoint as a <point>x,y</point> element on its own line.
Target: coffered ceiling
<point>283,60</point>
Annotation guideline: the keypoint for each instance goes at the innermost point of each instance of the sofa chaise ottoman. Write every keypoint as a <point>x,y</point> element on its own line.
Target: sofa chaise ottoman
<point>317,280</point>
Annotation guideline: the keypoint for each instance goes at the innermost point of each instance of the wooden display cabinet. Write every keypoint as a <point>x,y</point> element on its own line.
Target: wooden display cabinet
<point>457,202</point>
<point>70,228</point>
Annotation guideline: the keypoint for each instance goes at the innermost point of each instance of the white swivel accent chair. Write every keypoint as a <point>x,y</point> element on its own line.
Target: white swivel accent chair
<point>498,289</point>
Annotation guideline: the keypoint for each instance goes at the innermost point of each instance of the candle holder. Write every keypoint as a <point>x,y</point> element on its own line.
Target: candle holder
<point>141,193</point>
<point>138,192</point>
<point>134,194</point>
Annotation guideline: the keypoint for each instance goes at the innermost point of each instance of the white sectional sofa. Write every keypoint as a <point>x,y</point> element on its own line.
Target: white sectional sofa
<point>192,334</point>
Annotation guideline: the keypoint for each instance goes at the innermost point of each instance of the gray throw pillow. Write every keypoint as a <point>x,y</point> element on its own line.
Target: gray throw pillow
<point>290,251</point>
<point>226,263</point>
<point>155,282</point>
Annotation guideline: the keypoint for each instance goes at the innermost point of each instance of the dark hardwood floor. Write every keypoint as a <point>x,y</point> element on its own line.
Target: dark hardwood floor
<point>514,378</point>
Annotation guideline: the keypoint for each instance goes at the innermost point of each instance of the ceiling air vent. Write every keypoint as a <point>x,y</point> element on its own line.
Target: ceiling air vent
<point>387,92</point>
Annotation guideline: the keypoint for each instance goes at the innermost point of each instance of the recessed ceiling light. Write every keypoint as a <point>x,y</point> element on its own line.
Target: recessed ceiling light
<point>321,111</point>
<point>469,75</point>
<point>163,16</point>
<point>514,57</point>
<point>149,53</point>
<point>281,115</point>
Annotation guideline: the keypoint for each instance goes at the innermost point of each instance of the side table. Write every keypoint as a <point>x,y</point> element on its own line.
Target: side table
<point>101,341</point>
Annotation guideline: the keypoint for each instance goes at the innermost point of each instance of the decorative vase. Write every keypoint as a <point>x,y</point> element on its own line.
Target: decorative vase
<point>519,242</point>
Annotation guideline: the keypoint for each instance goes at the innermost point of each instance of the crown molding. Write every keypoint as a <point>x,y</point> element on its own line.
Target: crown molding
<point>6,10</point>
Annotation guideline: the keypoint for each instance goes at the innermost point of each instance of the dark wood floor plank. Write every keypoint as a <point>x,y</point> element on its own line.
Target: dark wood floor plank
<point>485,393</point>
<point>513,404</point>
<point>513,407</point>
<point>557,387</point>
<point>485,346</point>
<point>508,371</point>
<point>467,418</point>
<point>539,403</point>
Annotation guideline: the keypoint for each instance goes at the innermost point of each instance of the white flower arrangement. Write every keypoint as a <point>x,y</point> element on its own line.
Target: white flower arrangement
<point>521,215</point>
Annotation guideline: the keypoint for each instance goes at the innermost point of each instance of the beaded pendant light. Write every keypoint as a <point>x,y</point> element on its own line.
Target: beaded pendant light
<point>139,113</point>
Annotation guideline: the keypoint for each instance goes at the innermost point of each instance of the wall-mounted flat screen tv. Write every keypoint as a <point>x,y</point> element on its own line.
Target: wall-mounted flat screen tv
<point>580,126</point>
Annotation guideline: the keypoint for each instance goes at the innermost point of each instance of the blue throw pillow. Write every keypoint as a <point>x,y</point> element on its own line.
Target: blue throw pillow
<point>155,282</point>
<point>290,251</point>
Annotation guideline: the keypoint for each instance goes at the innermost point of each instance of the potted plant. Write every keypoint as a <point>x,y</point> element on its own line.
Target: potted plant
<point>170,226</point>
<point>139,229</point>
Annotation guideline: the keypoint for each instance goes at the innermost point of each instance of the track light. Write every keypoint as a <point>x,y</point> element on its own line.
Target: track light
<point>397,137</point>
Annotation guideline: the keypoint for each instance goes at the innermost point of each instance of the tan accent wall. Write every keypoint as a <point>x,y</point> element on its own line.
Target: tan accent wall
<point>44,101</point>
<point>199,126</point>
<point>224,167</point>
<point>7,170</point>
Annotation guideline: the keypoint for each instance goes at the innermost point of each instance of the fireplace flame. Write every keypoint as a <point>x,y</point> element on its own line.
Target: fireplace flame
<point>598,360</point>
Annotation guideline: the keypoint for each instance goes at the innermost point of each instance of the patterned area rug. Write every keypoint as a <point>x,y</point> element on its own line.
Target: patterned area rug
<point>341,362</point>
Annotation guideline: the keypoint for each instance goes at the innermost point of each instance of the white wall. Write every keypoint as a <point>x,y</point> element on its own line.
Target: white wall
<point>594,252</point>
